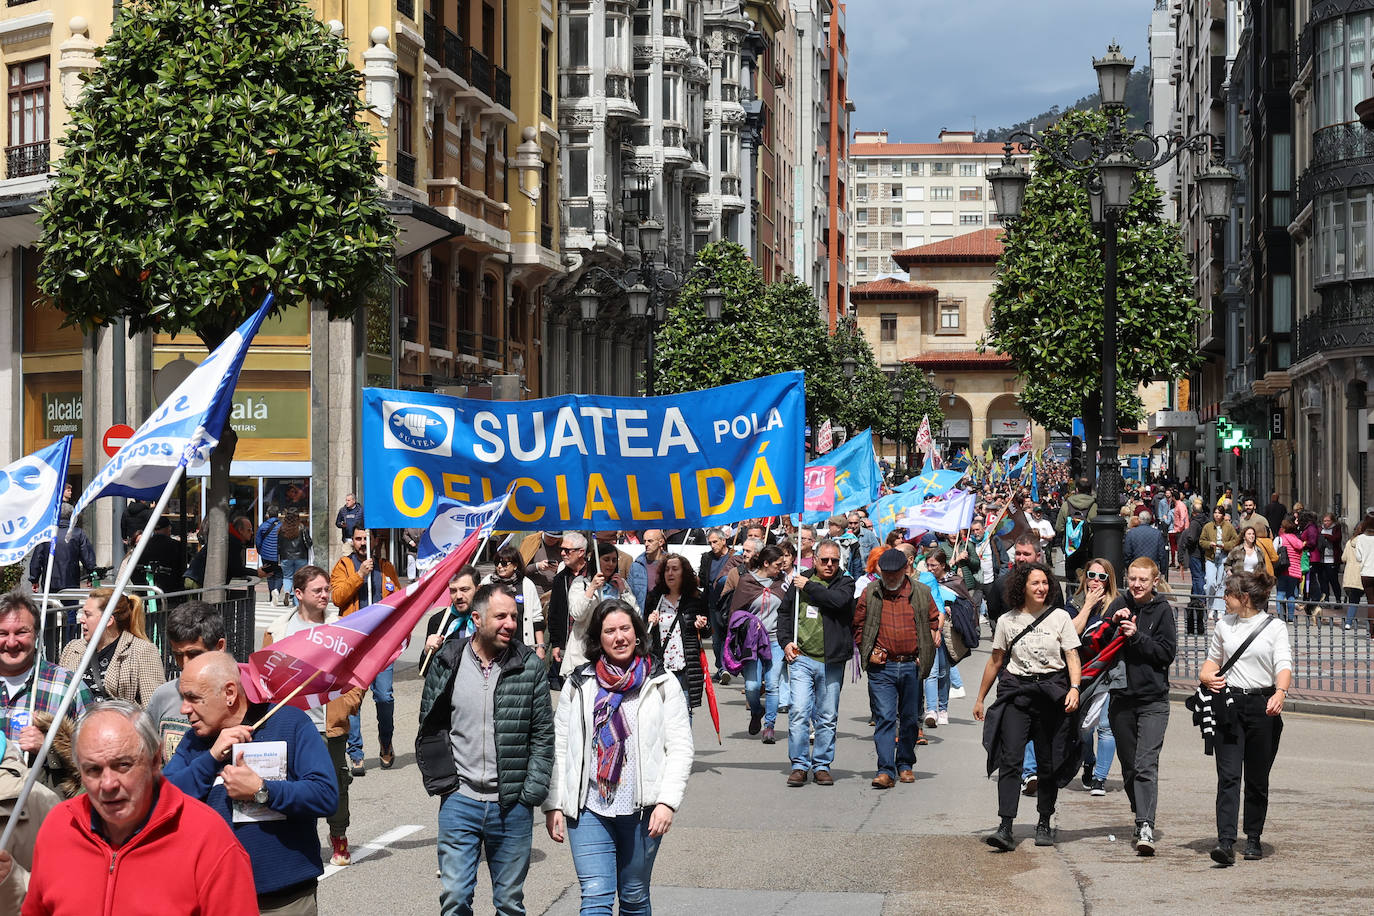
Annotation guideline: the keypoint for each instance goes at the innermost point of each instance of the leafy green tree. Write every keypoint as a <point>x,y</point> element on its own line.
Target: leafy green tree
<point>910,396</point>
<point>864,401</point>
<point>765,328</point>
<point>216,154</point>
<point>1047,305</point>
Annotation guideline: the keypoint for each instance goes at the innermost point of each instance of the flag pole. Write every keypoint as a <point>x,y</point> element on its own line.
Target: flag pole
<point>43,620</point>
<point>92,646</point>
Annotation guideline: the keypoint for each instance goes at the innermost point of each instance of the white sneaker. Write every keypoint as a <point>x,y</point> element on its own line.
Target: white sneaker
<point>1145,843</point>
<point>931,719</point>
<point>957,693</point>
<point>942,717</point>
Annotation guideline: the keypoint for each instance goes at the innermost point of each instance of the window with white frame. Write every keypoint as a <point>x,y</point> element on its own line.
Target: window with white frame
<point>916,192</point>
<point>914,170</point>
<point>942,218</point>
<point>971,193</point>
<point>887,323</point>
<point>861,217</point>
<point>951,315</point>
<point>941,193</point>
<point>861,265</point>
<point>894,192</point>
<point>970,219</point>
<point>969,169</point>
<point>915,241</point>
<point>860,167</point>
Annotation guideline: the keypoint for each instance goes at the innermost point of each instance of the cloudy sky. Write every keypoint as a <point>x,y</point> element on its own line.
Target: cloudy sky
<point>916,66</point>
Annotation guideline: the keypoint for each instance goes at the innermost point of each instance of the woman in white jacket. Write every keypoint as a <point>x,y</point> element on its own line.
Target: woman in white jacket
<point>622,755</point>
<point>585,593</point>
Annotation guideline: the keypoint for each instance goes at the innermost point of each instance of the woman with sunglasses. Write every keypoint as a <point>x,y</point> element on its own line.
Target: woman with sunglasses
<point>510,572</point>
<point>1255,686</point>
<point>1096,592</point>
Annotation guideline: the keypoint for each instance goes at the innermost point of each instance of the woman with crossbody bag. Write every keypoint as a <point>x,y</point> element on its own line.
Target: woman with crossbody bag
<point>1035,663</point>
<point>1250,666</point>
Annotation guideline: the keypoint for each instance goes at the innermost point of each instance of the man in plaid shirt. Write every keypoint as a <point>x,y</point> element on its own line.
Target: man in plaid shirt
<point>18,651</point>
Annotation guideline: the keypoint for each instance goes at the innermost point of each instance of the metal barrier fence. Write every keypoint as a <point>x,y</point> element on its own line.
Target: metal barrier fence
<point>1327,657</point>
<point>238,610</point>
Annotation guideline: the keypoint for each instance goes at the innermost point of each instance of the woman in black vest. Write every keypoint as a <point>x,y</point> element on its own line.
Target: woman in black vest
<point>676,611</point>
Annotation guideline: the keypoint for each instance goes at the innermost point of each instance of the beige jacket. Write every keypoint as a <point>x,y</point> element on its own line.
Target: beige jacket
<point>41,800</point>
<point>134,673</point>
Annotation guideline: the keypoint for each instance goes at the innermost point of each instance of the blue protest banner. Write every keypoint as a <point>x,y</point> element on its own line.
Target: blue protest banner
<point>855,481</point>
<point>588,461</point>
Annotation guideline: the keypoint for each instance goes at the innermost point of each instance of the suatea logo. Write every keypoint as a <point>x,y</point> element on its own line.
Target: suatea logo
<point>419,429</point>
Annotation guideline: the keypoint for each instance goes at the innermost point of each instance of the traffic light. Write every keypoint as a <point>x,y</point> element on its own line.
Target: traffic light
<point>1076,456</point>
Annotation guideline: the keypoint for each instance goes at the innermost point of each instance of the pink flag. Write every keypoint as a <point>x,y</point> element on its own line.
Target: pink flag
<point>924,442</point>
<point>820,488</point>
<point>337,657</point>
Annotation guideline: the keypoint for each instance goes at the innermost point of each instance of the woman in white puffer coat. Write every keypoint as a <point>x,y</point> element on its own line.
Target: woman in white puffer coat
<point>622,755</point>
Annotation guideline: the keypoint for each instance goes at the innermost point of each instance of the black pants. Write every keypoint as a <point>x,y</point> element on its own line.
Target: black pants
<point>1035,721</point>
<point>1247,745</point>
<point>343,774</point>
<point>720,622</point>
<point>1195,616</point>
<point>1139,726</point>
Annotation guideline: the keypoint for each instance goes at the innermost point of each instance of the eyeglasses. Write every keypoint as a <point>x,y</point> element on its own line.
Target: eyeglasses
<point>1098,576</point>
<point>571,549</point>
<point>504,561</point>
<point>827,559</point>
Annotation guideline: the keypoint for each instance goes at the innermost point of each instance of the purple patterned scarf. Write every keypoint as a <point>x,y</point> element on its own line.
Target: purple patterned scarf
<point>609,728</point>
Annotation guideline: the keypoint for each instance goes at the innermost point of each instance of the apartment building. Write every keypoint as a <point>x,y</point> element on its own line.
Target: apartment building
<point>463,111</point>
<point>905,195</point>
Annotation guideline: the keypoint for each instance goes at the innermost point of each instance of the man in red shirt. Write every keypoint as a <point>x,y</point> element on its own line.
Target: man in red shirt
<point>887,628</point>
<point>134,843</point>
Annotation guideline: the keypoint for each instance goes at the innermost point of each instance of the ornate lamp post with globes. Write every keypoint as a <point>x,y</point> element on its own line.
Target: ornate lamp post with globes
<point>1108,162</point>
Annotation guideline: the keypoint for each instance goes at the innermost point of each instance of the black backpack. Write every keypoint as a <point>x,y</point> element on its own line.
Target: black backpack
<point>964,619</point>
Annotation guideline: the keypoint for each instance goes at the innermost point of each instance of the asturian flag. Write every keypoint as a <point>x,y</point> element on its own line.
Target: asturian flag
<point>183,430</point>
<point>333,658</point>
<point>30,499</point>
<point>453,523</point>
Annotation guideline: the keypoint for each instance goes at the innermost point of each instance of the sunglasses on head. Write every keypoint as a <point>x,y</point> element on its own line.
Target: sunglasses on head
<point>1099,576</point>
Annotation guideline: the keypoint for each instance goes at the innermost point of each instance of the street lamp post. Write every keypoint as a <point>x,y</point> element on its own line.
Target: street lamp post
<point>647,289</point>
<point>899,392</point>
<point>1109,162</point>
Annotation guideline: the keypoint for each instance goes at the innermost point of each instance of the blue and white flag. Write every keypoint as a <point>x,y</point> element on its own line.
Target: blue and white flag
<point>1018,468</point>
<point>946,516</point>
<point>855,482</point>
<point>453,523</point>
<point>30,499</point>
<point>184,429</point>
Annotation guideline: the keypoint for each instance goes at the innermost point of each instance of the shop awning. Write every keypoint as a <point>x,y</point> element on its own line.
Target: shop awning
<point>19,220</point>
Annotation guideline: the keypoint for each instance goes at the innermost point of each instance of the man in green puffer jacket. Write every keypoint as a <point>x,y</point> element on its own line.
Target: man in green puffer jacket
<point>485,746</point>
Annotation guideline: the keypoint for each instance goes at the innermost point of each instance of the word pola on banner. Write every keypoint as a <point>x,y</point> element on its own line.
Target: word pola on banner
<point>587,461</point>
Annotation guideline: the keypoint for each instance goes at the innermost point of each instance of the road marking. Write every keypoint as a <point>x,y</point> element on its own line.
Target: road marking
<point>382,842</point>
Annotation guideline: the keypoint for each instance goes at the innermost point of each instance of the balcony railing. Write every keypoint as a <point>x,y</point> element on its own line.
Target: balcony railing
<point>491,346</point>
<point>405,168</point>
<point>28,159</point>
<point>455,53</point>
<point>1341,143</point>
<point>500,87</point>
<point>1344,319</point>
<point>438,336</point>
<point>405,7</point>
<point>481,71</point>
<point>433,44</point>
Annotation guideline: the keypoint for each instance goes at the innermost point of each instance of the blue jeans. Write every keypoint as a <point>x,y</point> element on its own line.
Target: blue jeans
<point>955,679</point>
<point>1100,758</point>
<point>938,683</point>
<point>613,855</point>
<point>894,695</point>
<point>386,714</point>
<point>1286,589</point>
<point>1196,575</point>
<point>1352,610</point>
<point>755,677</point>
<point>1216,581</point>
<point>815,698</point>
<point>466,828</point>
<point>288,574</point>
<point>1028,762</point>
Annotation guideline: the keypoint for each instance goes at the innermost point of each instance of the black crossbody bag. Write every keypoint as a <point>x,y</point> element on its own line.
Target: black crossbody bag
<point>1208,709</point>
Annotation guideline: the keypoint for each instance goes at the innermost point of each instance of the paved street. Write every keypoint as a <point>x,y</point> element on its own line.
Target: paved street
<point>745,844</point>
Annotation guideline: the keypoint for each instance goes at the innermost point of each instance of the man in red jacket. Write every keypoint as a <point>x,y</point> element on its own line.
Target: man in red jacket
<point>134,843</point>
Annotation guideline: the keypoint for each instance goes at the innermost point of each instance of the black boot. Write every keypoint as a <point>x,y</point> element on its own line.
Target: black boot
<point>1044,836</point>
<point>1002,838</point>
<point>1224,853</point>
<point>1253,850</point>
